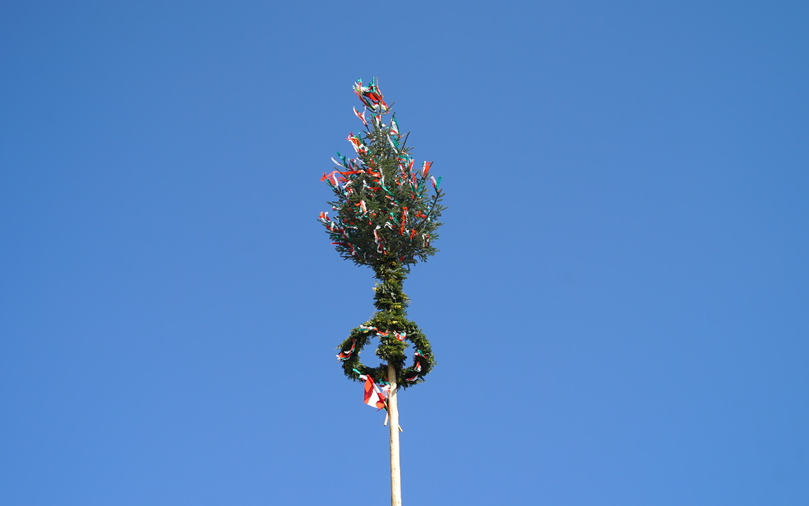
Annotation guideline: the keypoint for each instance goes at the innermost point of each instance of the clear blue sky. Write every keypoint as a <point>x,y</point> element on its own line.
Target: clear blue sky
<point>619,307</point>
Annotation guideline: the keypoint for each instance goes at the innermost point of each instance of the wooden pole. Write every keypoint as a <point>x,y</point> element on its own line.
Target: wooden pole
<point>393,425</point>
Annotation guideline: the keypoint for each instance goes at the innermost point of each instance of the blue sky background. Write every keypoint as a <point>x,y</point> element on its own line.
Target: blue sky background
<point>619,309</point>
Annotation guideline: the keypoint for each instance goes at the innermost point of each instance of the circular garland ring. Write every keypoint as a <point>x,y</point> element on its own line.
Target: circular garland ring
<point>392,344</point>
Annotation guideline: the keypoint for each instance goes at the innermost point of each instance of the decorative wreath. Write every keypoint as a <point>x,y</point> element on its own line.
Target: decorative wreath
<point>391,349</point>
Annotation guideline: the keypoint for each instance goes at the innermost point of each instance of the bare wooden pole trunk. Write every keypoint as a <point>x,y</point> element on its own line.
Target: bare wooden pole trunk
<point>393,425</point>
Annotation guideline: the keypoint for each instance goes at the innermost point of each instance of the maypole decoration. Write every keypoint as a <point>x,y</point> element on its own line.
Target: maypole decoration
<point>386,217</point>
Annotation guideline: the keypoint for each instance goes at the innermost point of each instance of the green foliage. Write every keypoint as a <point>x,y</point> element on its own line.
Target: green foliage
<point>384,205</point>
<point>387,217</point>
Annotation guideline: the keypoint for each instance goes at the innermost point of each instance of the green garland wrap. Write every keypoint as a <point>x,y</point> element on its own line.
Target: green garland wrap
<point>391,303</point>
<point>387,218</point>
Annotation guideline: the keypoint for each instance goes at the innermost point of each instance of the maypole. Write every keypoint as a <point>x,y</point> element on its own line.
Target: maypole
<point>386,218</point>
